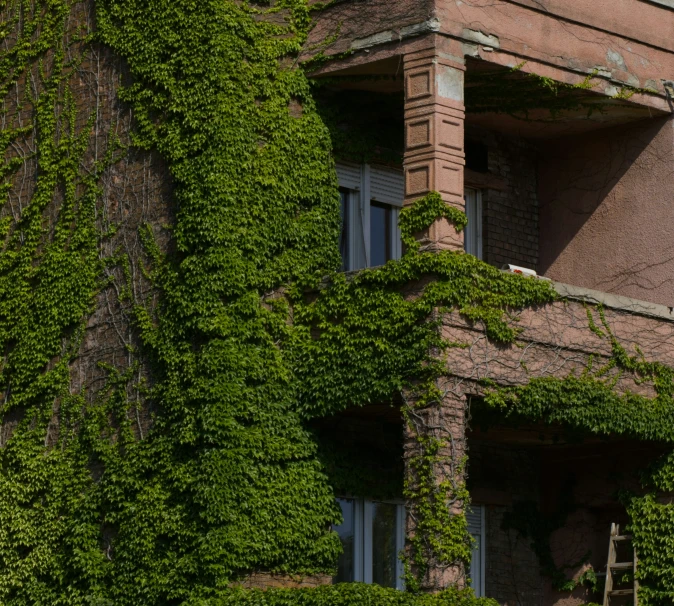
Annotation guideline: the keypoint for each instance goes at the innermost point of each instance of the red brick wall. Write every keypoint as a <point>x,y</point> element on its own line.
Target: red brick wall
<point>510,202</point>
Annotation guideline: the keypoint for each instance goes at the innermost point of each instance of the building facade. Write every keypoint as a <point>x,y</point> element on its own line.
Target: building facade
<point>312,297</point>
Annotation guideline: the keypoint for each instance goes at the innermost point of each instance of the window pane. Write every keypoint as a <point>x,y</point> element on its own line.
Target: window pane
<point>475,519</point>
<point>380,234</point>
<point>346,532</point>
<point>472,231</point>
<point>344,235</point>
<point>384,552</point>
<point>476,566</point>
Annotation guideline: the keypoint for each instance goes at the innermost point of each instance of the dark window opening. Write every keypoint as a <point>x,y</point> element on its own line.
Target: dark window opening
<point>477,156</point>
<point>344,234</point>
<point>347,532</point>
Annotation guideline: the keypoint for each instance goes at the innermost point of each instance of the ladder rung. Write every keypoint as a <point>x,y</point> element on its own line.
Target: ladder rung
<point>617,592</point>
<point>622,537</point>
<point>622,565</point>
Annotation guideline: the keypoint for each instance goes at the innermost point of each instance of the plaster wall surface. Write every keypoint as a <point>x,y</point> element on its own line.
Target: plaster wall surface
<point>607,210</point>
<point>513,32</point>
<point>361,24</point>
<point>521,464</point>
<point>653,26</point>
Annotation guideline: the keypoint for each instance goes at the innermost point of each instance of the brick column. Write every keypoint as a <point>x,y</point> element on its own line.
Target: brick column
<point>434,128</point>
<point>445,422</point>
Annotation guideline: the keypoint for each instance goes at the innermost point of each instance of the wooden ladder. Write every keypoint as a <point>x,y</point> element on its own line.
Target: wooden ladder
<point>612,567</point>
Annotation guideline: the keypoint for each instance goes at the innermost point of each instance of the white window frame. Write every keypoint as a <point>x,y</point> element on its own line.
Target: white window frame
<point>477,528</point>
<point>473,241</point>
<point>357,180</point>
<point>362,539</point>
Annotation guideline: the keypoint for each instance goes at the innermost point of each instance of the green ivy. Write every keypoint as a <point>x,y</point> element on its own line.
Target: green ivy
<point>351,594</point>
<point>227,480</point>
<point>254,335</point>
<point>366,339</point>
<point>414,219</point>
<point>364,126</point>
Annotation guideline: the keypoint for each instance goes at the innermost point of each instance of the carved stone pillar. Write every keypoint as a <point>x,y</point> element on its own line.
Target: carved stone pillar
<point>442,424</point>
<point>434,131</point>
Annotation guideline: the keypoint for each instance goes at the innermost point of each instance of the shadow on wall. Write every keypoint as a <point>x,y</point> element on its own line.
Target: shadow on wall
<point>550,498</point>
<point>606,210</point>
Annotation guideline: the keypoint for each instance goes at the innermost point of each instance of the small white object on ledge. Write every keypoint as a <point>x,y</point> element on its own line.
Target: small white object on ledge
<point>523,271</point>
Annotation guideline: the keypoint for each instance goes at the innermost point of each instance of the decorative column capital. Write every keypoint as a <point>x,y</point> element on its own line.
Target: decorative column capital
<point>432,77</point>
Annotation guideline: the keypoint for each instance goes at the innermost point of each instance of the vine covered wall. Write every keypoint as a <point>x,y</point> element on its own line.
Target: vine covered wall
<point>167,464</point>
<point>183,462</point>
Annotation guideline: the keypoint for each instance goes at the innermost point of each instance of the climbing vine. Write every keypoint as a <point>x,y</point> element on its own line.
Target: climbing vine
<point>220,476</point>
<point>372,340</point>
<point>188,463</point>
<point>351,593</point>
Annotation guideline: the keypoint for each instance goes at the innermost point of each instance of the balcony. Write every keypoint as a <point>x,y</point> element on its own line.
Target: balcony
<point>560,172</point>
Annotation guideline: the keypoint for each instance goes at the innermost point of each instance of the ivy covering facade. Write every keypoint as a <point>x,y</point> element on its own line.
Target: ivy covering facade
<point>246,340</point>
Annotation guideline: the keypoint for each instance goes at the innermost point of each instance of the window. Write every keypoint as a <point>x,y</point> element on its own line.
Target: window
<point>372,535</point>
<point>473,232</point>
<point>344,248</point>
<point>370,234</point>
<point>476,527</point>
<point>381,249</point>
<point>371,198</point>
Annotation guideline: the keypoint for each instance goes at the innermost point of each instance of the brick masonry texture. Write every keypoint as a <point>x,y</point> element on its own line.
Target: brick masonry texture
<point>510,215</point>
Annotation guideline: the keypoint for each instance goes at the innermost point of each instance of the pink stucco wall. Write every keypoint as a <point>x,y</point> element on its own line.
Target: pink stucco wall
<point>345,23</point>
<point>605,203</point>
<point>571,34</point>
<point>607,210</point>
<point>653,26</point>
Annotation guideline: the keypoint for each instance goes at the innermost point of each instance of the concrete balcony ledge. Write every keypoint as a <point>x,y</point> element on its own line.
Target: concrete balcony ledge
<point>666,3</point>
<point>618,302</point>
<point>587,295</point>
